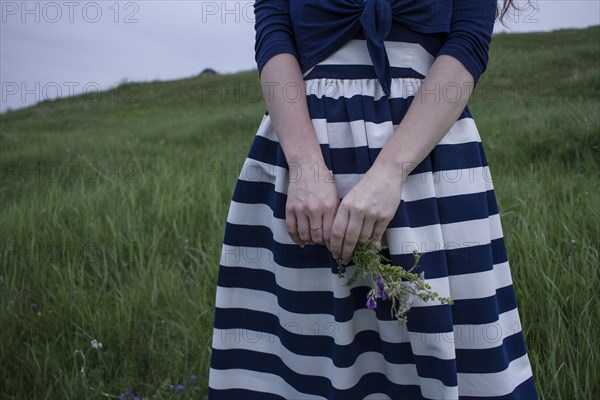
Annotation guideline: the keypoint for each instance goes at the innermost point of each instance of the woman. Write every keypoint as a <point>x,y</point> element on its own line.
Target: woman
<point>367,135</point>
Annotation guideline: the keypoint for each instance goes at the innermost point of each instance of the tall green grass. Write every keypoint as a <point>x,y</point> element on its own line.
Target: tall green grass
<point>116,234</point>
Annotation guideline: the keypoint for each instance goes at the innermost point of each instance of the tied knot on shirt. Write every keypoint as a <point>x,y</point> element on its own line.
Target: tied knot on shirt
<point>376,21</point>
<point>312,30</point>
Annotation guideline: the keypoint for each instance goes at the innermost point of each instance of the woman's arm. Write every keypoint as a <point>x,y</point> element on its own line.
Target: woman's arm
<point>312,197</point>
<point>442,97</point>
<point>462,59</point>
<point>284,93</point>
<point>282,83</point>
<point>369,207</point>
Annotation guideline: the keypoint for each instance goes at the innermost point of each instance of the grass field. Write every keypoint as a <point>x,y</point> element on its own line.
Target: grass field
<point>114,206</point>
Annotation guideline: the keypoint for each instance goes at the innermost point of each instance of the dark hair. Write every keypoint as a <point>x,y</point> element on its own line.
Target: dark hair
<point>506,5</point>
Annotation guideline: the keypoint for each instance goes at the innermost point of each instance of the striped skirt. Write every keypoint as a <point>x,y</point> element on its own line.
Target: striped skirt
<point>285,325</point>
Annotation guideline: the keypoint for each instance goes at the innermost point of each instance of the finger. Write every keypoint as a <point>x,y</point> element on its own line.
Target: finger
<point>292,227</point>
<point>378,232</point>
<point>355,224</point>
<point>303,228</point>
<point>338,230</point>
<point>328,219</point>
<point>367,230</point>
<point>316,235</point>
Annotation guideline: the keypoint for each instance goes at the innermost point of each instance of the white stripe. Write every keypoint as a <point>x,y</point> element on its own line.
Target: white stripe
<point>440,344</point>
<point>404,240</point>
<point>484,385</point>
<point>333,88</point>
<point>253,380</point>
<point>340,135</point>
<point>459,287</point>
<point>377,396</point>
<point>417,187</point>
<point>463,130</point>
<point>428,185</point>
<point>401,240</point>
<point>400,54</point>
<point>478,284</point>
<point>497,383</point>
<point>483,336</point>
<point>340,378</point>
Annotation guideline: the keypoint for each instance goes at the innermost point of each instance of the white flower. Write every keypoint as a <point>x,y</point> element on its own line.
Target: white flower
<point>96,344</point>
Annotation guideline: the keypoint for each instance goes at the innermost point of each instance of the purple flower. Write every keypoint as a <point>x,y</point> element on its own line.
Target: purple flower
<point>371,301</point>
<point>122,396</point>
<point>33,306</point>
<point>179,387</point>
<point>79,334</point>
<point>193,378</point>
<point>381,292</point>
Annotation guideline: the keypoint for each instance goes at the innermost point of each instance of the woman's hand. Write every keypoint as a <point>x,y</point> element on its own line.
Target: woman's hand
<point>312,197</point>
<point>312,201</point>
<point>366,211</point>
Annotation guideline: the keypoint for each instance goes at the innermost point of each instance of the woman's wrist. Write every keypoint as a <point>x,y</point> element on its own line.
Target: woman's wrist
<point>310,165</point>
<point>392,164</point>
<point>301,146</point>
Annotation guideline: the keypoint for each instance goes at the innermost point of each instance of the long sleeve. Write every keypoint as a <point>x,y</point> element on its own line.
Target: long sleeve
<point>274,32</point>
<point>470,34</point>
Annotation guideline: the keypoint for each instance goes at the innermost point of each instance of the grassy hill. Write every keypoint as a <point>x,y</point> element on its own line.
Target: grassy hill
<point>114,204</point>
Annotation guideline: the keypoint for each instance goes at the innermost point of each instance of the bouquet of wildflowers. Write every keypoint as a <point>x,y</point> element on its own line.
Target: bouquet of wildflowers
<point>389,282</point>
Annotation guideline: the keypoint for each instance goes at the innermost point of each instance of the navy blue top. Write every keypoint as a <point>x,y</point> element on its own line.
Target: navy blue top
<point>312,30</point>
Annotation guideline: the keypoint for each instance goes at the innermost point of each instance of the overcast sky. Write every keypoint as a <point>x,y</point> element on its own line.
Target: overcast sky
<point>59,48</point>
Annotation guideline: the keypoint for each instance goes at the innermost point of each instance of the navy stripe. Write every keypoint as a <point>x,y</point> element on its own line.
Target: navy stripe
<point>235,322</point>
<point>436,263</point>
<point>361,107</point>
<point>312,384</point>
<point>435,368</point>
<point>525,391</point>
<point>444,210</point>
<point>426,319</point>
<point>494,359</point>
<point>425,212</point>
<point>237,394</point>
<point>359,160</point>
<point>289,255</point>
<point>358,72</point>
<point>492,203</point>
<point>303,341</point>
<point>484,310</point>
<point>499,251</point>
<point>453,261</point>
